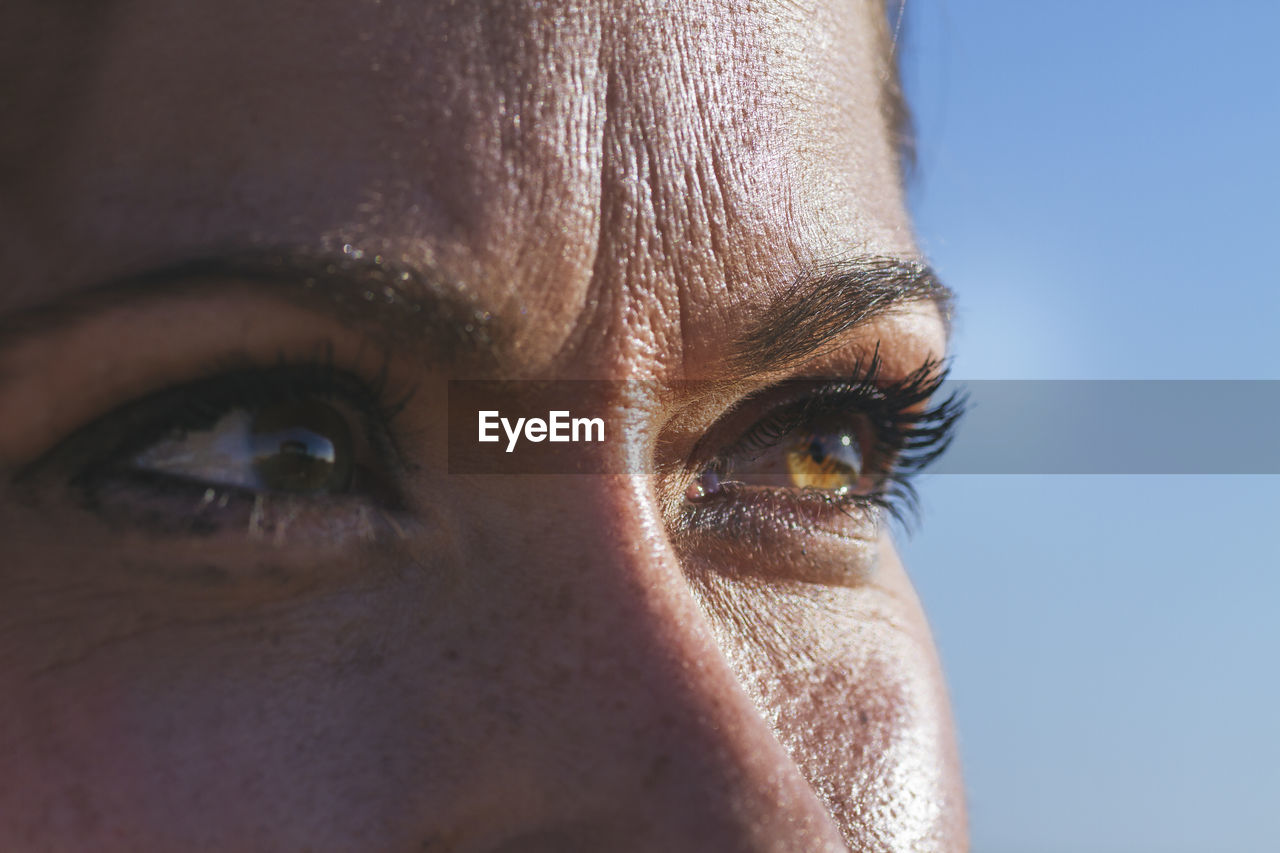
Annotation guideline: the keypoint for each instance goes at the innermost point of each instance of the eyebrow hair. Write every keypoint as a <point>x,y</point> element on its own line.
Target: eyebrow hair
<point>421,305</point>
<point>827,301</point>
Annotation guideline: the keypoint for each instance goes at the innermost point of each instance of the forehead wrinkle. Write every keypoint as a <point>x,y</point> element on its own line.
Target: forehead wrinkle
<point>244,126</point>
<point>719,155</point>
<point>518,86</point>
<point>630,169</point>
<point>685,138</point>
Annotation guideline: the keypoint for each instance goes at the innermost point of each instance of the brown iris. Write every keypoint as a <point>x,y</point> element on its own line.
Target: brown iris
<point>831,461</point>
<point>302,446</point>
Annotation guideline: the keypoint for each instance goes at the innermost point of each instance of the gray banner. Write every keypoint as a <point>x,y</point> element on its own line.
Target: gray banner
<point>1010,427</point>
<point>1116,427</point>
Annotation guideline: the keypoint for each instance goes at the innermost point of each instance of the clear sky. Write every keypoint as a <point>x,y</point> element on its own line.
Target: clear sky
<point>1100,182</point>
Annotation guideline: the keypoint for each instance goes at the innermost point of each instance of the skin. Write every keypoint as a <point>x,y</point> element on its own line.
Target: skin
<point>506,662</point>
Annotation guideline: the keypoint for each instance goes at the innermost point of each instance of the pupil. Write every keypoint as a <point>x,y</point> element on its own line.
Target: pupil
<point>302,446</point>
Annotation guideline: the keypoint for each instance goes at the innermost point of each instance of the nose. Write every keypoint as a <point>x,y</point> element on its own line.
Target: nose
<point>645,737</point>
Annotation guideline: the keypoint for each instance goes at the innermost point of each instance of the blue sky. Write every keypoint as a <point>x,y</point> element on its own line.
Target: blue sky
<point>1100,182</point>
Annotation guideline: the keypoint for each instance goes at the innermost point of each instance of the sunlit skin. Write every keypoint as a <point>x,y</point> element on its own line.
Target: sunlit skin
<point>499,662</point>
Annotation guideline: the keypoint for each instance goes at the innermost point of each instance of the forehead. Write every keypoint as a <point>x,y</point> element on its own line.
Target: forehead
<point>575,166</point>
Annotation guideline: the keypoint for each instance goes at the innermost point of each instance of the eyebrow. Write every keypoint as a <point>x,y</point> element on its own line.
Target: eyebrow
<point>418,304</point>
<point>831,299</point>
<point>423,306</point>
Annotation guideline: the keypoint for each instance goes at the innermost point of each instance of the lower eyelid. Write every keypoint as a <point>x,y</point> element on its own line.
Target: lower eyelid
<point>225,566</point>
<point>168,507</point>
<point>792,542</point>
<point>760,512</point>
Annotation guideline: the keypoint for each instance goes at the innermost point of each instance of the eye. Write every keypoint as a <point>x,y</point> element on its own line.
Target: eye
<point>833,455</point>
<point>300,446</point>
<point>240,448</point>
<point>840,443</point>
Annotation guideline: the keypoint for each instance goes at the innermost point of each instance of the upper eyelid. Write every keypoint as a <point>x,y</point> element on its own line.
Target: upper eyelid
<point>799,391</point>
<point>787,417</point>
<point>84,366</point>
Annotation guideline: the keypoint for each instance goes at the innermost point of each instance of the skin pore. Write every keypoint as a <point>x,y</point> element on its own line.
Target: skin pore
<point>404,194</point>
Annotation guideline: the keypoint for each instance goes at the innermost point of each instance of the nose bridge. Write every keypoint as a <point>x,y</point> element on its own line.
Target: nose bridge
<point>676,748</point>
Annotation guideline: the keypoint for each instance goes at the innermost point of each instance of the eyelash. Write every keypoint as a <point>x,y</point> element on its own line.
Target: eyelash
<point>908,436</point>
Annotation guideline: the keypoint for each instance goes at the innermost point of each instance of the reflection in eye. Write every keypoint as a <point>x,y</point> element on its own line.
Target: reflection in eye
<point>293,446</point>
<point>300,449</point>
<point>306,430</point>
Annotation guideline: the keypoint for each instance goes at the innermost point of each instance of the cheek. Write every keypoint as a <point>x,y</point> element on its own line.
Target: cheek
<point>848,678</point>
<point>284,726</point>
<point>872,739</point>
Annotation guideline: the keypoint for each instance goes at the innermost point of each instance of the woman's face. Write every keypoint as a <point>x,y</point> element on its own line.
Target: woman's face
<point>246,603</point>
